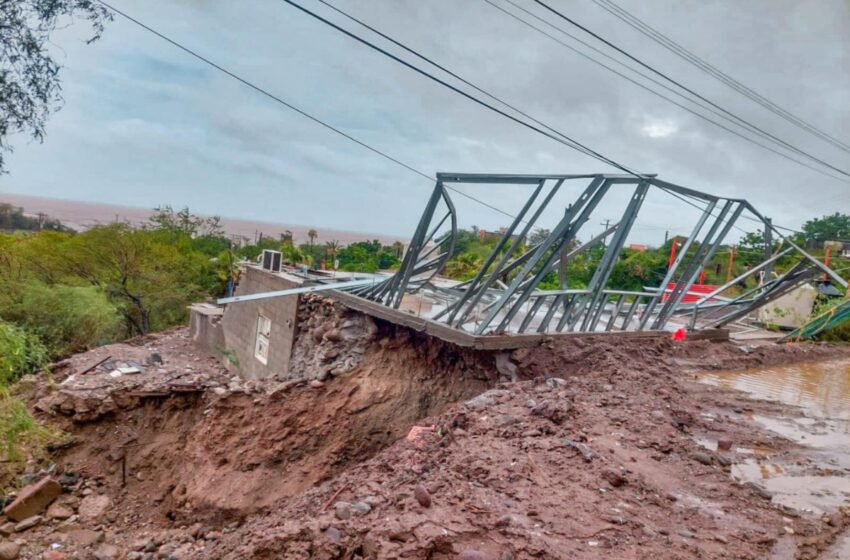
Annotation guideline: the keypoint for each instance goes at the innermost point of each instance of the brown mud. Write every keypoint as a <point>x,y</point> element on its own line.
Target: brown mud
<point>584,448</point>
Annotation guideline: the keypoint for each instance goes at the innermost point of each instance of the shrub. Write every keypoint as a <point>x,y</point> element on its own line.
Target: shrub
<point>20,353</point>
<point>67,319</point>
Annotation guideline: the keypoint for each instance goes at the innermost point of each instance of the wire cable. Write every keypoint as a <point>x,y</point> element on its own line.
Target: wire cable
<point>292,107</point>
<point>644,86</point>
<point>570,142</point>
<point>743,122</point>
<point>680,51</point>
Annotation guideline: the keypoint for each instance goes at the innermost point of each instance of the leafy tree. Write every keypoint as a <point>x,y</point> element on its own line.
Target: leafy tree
<point>833,227</point>
<point>165,218</point>
<point>29,79</point>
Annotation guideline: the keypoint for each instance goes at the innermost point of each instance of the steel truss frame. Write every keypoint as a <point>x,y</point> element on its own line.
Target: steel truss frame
<point>504,295</point>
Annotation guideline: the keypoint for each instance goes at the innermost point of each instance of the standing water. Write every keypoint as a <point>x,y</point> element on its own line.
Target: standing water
<point>821,390</point>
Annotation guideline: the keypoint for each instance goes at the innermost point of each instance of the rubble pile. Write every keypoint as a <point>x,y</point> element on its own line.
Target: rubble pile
<point>331,340</point>
<point>390,444</point>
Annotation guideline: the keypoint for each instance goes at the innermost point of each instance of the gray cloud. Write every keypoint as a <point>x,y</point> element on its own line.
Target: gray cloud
<point>145,124</point>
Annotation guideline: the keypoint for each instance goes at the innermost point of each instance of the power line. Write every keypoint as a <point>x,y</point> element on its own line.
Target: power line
<point>744,122</point>
<point>447,71</point>
<point>649,78</point>
<point>560,138</point>
<point>292,107</point>
<point>702,64</point>
<point>338,131</point>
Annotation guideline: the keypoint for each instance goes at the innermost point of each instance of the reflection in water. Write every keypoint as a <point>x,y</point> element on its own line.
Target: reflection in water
<point>822,390</point>
<point>821,387</point>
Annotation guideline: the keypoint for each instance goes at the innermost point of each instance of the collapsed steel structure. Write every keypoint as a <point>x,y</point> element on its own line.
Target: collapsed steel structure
<point>504,296</point>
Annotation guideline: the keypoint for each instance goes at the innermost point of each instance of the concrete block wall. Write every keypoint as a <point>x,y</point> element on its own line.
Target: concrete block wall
<point>240,324</point>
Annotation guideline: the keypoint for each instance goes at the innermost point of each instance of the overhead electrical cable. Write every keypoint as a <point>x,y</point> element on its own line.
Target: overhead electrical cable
<point>330,127</point>
<point>702,64</point>
<point>569,141</point>
<point>292,107</point>
<point>741,120</point>
<point>562,139</point>
<point>651,79</point>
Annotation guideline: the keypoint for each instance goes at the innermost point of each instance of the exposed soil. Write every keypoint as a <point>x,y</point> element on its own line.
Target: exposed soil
<point>575,449</point>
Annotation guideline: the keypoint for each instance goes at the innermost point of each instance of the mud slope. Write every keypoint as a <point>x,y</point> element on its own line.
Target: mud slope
<point>224,453</point>
<point>599,464</point>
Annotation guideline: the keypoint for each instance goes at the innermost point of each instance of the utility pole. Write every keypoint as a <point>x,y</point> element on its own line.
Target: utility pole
<point>562,261</point>
<point>768,246</point>
<point>606,224</point>
<point>731,263</point>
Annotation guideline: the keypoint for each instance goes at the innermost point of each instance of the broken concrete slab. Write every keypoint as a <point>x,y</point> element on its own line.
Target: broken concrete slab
<point>33,499</point>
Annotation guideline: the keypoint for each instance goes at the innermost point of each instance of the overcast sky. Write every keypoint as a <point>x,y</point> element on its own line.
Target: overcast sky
<point>144,124</point>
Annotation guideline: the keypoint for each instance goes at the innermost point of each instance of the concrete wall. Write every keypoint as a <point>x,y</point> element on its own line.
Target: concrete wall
<point>791,310</point>
<point>206,328</point>
<point>234,336</point>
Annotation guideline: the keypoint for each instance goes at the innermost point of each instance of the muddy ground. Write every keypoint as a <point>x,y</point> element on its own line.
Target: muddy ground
<point>416,449</point>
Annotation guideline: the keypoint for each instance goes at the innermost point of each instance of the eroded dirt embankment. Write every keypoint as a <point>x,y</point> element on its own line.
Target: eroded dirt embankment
<point>589,453</point>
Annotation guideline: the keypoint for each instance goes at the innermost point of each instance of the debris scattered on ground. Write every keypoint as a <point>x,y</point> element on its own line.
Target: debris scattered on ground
<point>414,449</point>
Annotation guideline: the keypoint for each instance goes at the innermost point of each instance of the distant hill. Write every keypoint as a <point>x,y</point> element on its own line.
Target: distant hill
<point>80,215</point>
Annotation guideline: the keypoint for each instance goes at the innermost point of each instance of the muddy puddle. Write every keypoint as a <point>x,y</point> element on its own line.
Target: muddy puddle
<point>818,395</point>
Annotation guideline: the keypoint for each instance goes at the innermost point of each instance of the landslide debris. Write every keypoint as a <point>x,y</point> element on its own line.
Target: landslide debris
<point>385,443</point>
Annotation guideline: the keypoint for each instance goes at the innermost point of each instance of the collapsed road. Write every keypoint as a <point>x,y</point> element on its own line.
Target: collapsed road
<point>588,447</point>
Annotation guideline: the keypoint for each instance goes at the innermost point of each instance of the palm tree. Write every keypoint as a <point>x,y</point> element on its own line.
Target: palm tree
<point>312,234</point>
<point>331,247</point>
<point>398,249</point>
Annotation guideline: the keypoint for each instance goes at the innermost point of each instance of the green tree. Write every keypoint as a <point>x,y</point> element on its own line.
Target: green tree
<point>29,80</point>
<point>832,227</point>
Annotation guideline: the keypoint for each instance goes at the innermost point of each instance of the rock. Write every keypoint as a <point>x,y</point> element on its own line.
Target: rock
<point>556,382</point>
<point>555,412</point>
<point>422,496</point>
<point>85,537</point>
<point>33,499</point>
<point>759,489</point>
<point>153,358</point>
<point>9,551</point>
<point>684,533</point>
<point>94,506</point>
<point>68,479</point>
<point>142,544</point>
<point>479,402</point>
<point>7,529</point>
<point>835,519</point>
<point>361,507</point>
<point>342,510</point>
<point>506,367</point>
<point>107,552</point>
<point>28,523</point>
<point>502,420</point>
<point>53,555</point>
<point>613,477</point>
<point>724,444</point>
<point>333,535</point>
<point>59,511</point>
<point>701,457</point>
<point>530,403</point>
<point>333,335</point>
<point>316,384</point>
<point>470,554</point>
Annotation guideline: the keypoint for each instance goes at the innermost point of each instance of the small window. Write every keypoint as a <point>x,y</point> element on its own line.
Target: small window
<point>261,348</point>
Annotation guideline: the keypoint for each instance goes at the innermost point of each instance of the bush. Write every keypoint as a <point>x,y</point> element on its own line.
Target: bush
<point>20,353</point>
<point>67,319</point>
